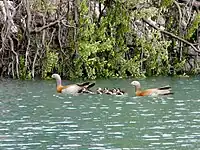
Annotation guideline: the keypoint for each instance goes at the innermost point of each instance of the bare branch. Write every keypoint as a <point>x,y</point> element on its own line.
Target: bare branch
<point>180,13</point>
<point>63,22</point>
<point>35,58</point>
<point>59,39</point>
<point>36,30</point>
<point>52,34</point>
<point>172,35</point>
<point>194,3</point>
<point>16,57</point>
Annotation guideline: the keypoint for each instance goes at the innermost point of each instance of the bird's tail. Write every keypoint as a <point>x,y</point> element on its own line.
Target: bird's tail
<point>86,85</point>
<point>165,88</point>
<point>170,93</point>
<point>83,84</point>
<point>90,85</point>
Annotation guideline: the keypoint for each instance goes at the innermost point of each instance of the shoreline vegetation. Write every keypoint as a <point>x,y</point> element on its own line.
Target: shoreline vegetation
<point>88,39</point>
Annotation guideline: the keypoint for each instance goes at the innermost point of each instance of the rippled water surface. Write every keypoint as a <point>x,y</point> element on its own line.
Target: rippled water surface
<point>34,116</point>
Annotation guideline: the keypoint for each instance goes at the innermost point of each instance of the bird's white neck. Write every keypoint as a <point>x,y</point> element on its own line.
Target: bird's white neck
<point>137,88</point>
<point>58,82</point>
<point>58,79</point>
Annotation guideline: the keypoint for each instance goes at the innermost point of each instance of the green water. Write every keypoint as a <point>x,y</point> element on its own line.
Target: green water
<point>35,117</point>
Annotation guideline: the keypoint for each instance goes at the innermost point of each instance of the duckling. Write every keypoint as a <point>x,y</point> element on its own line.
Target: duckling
<point>106,91</point>
<point>87,91</point>
<point>120,92</point>
<point>114,91</point>
<point>99,90</point>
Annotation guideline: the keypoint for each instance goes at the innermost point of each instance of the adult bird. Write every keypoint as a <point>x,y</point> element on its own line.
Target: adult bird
<point>166,90</point>
<point>71,88</point>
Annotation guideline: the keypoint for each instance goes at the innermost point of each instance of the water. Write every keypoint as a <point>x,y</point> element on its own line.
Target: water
<point>34,116</point>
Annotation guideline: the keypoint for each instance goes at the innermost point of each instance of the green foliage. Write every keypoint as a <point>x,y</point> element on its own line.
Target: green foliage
<point>133,66</point>
<point>50,61</point>
<point>155,54</point>
<point>193,27</point>
<point>179,65</point>
<point>146,13</point>
<point>23,74</point>
<point>167,3</point>
<point>44,6</point>
<point>101,48</point>
<point>19,35</point>
<point>152,55</point>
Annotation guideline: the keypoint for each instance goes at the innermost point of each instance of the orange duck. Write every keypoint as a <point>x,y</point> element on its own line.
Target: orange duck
<point>150,92</point>
<point>72,88</point>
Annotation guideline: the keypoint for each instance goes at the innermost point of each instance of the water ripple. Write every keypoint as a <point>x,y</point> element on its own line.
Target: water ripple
<point>34,119</point>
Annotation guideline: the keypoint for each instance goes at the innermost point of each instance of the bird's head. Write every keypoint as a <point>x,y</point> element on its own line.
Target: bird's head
<point>56,76</point>
<point>135,83</point>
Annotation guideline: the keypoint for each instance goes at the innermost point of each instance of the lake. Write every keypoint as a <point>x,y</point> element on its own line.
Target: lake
<point>35,117</point>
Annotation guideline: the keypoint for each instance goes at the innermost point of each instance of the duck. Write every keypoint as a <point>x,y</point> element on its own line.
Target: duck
<point>166,90</point>
<point>71,88</point>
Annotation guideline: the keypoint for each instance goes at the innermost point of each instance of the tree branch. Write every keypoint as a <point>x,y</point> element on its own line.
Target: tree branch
<point>59,39</point>
<point>171,34</point>
<point>180,13</point>
<point>36,30</point>
<point>194,3</point>
<point>28,21</point>
<point>16,57</point>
